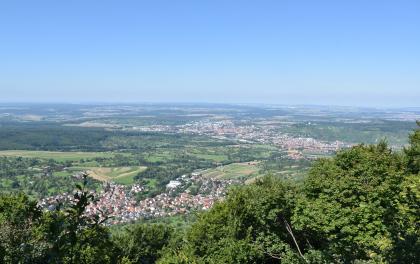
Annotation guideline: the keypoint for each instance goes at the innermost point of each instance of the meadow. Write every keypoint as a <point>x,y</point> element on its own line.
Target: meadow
<point>56,155</point>
<point>120,175</point>
<point>233,171</point>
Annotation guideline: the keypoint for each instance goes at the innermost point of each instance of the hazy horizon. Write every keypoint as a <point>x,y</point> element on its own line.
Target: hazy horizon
<point>203,103</point>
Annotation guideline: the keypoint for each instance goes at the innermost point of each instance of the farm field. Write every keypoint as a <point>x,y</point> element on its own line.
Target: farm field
<point>56,155</point>
<point>212,157</point>
<point>233,171</point>
<point>120,175</point>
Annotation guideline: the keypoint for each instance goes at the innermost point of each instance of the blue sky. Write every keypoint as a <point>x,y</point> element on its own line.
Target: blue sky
<point>364,53</point>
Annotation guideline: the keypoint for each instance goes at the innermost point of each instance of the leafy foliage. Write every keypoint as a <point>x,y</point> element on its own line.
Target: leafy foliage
<point>413,151</point>
<point>247,228</point>
<point>348,203</point>
<point>30,235</point>
<point>143,243</point>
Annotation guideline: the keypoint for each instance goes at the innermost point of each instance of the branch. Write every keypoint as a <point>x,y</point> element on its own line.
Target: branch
<point>289,230</point>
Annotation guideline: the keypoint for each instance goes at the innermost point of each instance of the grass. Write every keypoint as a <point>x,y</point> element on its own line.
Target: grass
<point>56,155</point>
<point>151,183</point>
<point>120,175</point>
<point>233,171</point>
<point>212,157</point>
<point>62,173</point>
<point>6,183</point>
<point>214,154</point>
<point>159,156</point>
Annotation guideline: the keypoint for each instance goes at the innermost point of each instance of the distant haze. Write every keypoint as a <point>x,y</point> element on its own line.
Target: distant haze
<point>361,53</point>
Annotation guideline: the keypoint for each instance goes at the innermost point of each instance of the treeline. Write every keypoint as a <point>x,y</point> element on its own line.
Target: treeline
<point>47,136</point>
<point>55,137</point>
<point>361,206</point>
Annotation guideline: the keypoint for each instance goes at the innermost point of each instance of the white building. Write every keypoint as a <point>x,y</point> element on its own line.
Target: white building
<point>173,184</point>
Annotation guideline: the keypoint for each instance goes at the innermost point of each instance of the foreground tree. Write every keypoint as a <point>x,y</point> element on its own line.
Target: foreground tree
<point>348,206</point>
<point>20,241</point>
<point>143,243</point>
<point>413,151</point>
<point>30,235</point>
<point>251,226</point>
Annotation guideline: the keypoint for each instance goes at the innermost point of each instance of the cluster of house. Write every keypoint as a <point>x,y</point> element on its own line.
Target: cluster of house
<point>210,127</point>
<point>118,203</point>
<point>267,134</point>
<point>295,146</point>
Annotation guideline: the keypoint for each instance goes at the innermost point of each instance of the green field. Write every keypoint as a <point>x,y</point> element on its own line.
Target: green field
<point>121,175</point>
<point>212,157</point>
<point>159,156</point>
<point>56,155</point>
<point>233,171</point>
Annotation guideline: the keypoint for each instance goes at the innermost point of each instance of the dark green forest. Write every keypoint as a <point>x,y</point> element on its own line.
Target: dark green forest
<point>360,206</point>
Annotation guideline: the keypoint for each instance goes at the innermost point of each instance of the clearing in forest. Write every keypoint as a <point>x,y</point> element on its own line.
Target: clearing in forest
<point>233,171</point>
<point>56,155</point>
<point>121,175</point>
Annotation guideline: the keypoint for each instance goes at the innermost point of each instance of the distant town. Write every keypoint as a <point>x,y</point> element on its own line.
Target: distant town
<point>296,147</point>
